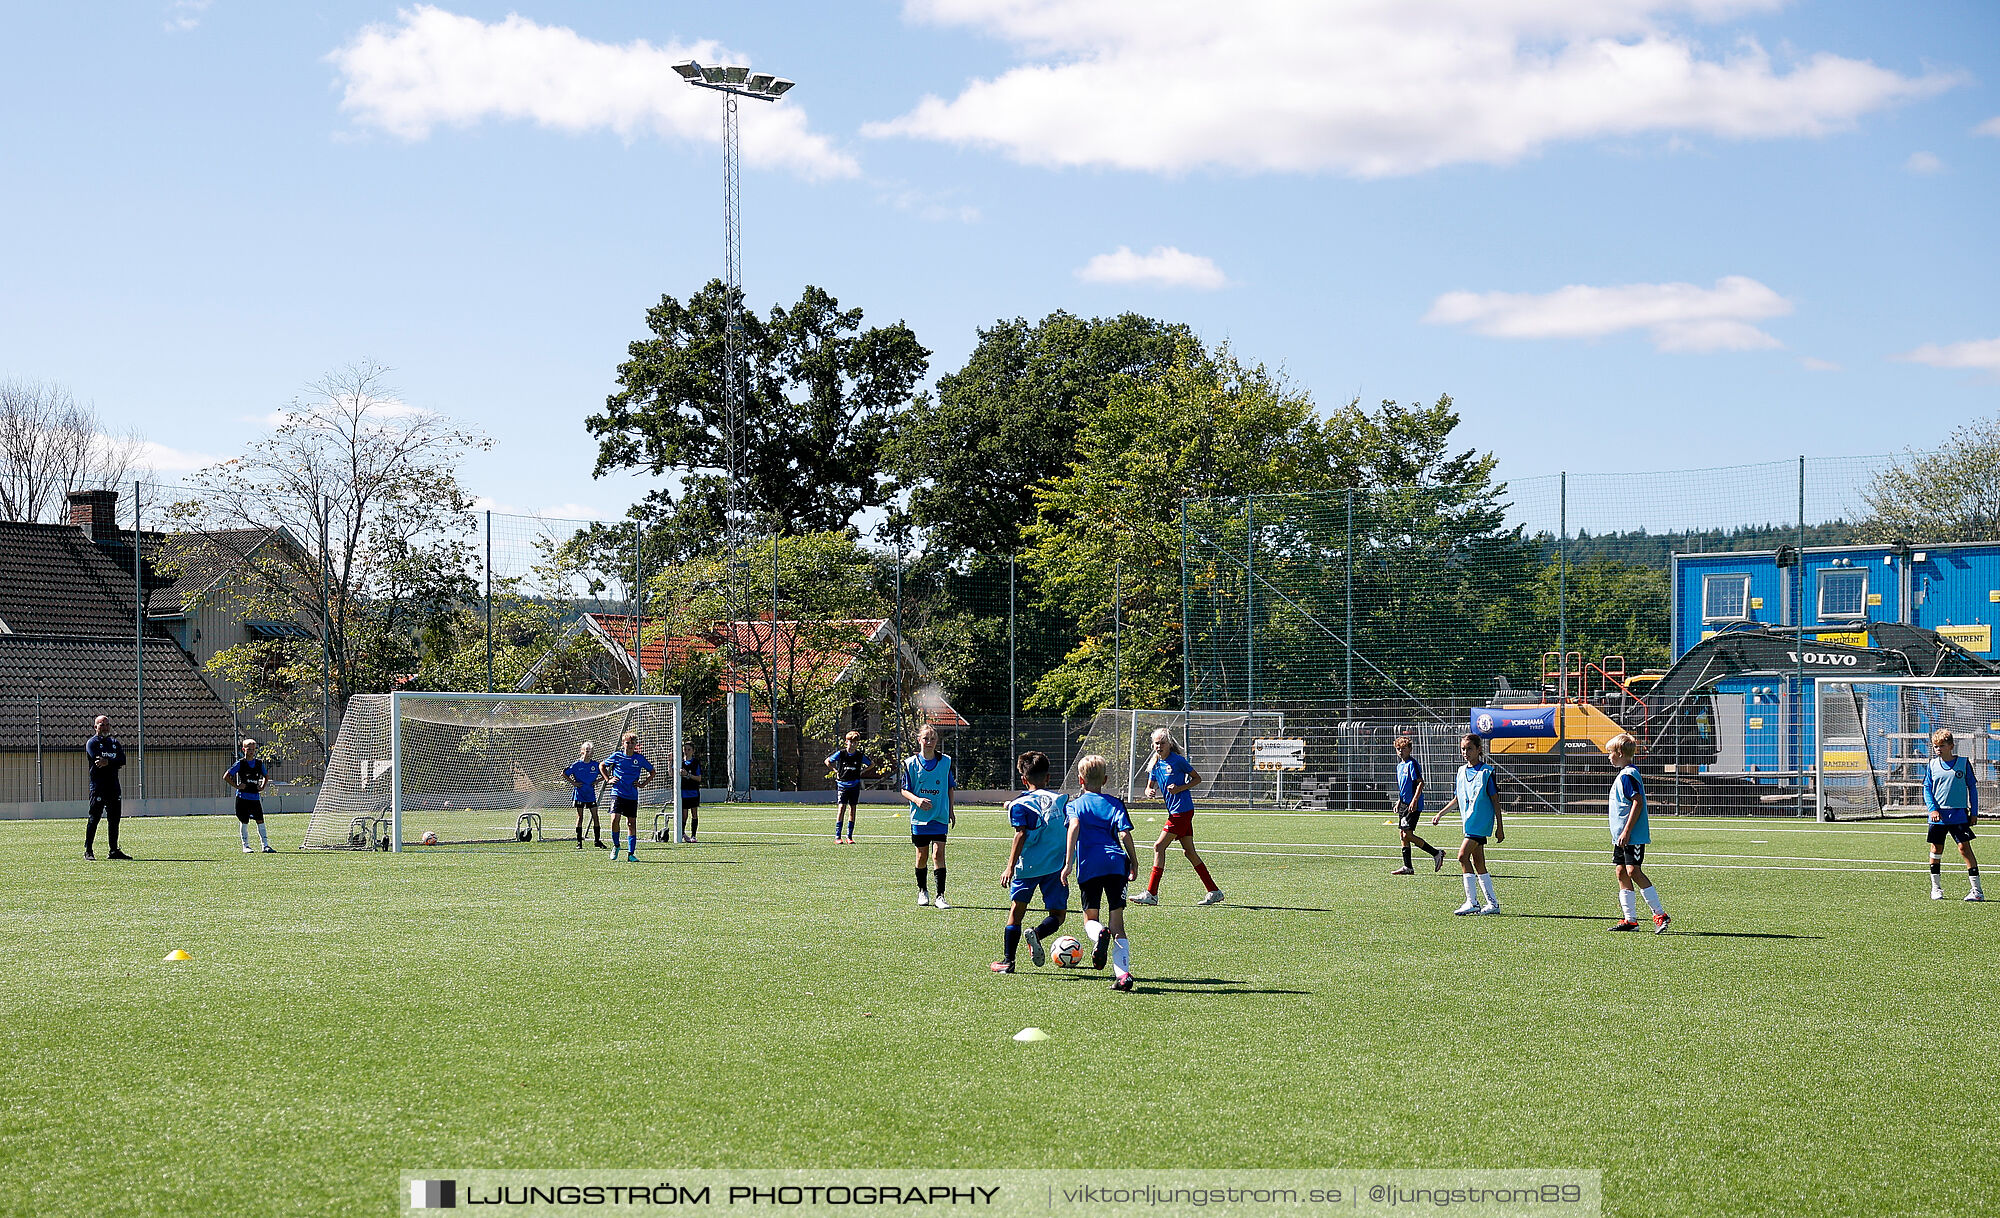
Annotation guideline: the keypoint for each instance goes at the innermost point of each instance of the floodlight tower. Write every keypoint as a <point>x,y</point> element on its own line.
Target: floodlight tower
<point>732,81</point>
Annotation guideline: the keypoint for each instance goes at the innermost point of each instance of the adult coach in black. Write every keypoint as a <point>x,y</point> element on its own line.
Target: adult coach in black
<point>105,757</point>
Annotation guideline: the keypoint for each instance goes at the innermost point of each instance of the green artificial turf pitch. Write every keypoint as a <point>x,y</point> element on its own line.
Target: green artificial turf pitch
<point>1813,1036</point>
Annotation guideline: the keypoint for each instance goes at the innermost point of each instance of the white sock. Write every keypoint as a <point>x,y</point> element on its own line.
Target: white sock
<point>1121,955</point>
<point>1974,877</point>
<point>1628,904</point>
<point>1471,888</point>
<point>1486,882</point>
<point>243,831</point>
<point>1093,928</point>
<point>1652,896</point>
<point>261,835</point>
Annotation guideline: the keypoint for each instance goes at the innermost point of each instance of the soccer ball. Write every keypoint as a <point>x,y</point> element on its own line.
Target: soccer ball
<point>430,839</point>
<point>1067,952</point>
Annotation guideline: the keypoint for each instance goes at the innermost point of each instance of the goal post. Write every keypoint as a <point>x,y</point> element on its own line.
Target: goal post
<point>1219,744</point>
<point>482,767</point>
<point>1872,740</point>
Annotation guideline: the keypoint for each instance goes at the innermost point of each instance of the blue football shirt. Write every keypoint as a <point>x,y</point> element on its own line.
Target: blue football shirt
<point>585,773</point>
<point>624,769</point>
<point>1045,816</point>
<point>1099,818</point>
<point>1408,775</point>
<point>1626,789</point>
<point>1168,771</point>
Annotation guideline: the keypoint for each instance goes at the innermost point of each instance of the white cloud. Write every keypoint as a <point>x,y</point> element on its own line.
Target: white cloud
<point>1675,316</point>
<point>184,15</point>
<point>162,459</point>
<point>1990,127</point>
<point>432,68</point>
<point>1982,355</point>
<point>1814,364</point>
<point>932,207</point>
<point>1374,87</point>
<point>1165,267</point>
<point>1923,162</point>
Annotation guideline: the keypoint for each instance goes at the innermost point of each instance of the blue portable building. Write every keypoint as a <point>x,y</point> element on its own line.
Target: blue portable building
<point>1764,726</point>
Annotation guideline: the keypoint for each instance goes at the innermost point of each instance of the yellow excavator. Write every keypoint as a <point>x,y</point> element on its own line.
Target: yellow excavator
<point>1582,705</point>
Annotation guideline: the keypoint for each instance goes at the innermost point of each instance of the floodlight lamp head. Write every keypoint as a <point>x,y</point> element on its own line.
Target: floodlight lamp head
<point>760,82</point>
<point>688,69</point>
<point>711,74</point>
<point>778,87</point>
<point>735,73</point>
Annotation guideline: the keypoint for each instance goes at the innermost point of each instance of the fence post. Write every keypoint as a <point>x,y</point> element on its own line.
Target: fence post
<point>325,632</point>
<point>1562,640</point>
<point>1187,640</point>
<point>776,781</point>
<point>899,643</point>
<point>1117,630</point>
<point>1799,651</point>
<point>1013,741</point>
<point>139,645</point>
<point>1250,612</point>
<point>638,609</point>
<point>489,600</point>
<point>1350,735</point>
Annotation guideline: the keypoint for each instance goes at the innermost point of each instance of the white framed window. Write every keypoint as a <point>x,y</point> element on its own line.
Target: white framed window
<point>1843,594</point>
<point>1725,598</point>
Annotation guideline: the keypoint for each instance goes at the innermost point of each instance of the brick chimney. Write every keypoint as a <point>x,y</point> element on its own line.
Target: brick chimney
<point>95,512</point>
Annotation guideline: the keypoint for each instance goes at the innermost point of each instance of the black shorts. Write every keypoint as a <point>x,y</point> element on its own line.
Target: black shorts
<point>690,798</point>
<point>625,805</point>
<point>1408,819</point>
<point>583,805</point>
<point>1632,855</point>
<point>248,810</point>
<point>1104,892</point>
<point>927,839</point>
<point>1475,839</point>
<point>1935,834</point>
<point>103,804</point>
<point>850,799</point>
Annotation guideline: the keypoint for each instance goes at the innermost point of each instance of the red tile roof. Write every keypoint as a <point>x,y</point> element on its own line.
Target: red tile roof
<point>778,645</point>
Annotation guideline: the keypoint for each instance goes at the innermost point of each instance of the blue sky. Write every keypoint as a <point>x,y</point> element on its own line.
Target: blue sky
<point>1622,234</point>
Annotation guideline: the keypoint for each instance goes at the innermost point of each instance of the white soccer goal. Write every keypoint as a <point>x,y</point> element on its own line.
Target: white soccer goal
<point>1217,743</point>
<point>1874,733</point>
<point>483,767</point>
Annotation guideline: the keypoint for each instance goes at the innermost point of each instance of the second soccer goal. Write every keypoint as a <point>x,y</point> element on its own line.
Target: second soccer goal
<point>458,768</point>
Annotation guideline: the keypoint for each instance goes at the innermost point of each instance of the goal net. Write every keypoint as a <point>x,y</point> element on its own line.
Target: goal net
<point>1874,740</point>
<point>1219,744</point>
<point>482,767</point>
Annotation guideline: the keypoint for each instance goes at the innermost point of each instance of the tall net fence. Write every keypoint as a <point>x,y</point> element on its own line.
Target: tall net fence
<point>1370,614</point>
<point>1347,618</point>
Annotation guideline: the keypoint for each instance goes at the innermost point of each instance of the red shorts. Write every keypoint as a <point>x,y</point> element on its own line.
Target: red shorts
<point>1180,824</point>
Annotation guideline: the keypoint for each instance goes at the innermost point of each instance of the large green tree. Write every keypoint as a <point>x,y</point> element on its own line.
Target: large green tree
<point>1105,544</point>
<point>972,455</point>
<point>1950,494</point>
<point>820,393</point>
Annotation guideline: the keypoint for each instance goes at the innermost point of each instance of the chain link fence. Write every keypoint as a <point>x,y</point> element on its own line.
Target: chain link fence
<point>1341,620</point>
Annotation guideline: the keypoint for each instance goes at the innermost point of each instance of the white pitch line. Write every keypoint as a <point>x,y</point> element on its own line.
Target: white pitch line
<point>1888,866</point>
<point>1909,870</point>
